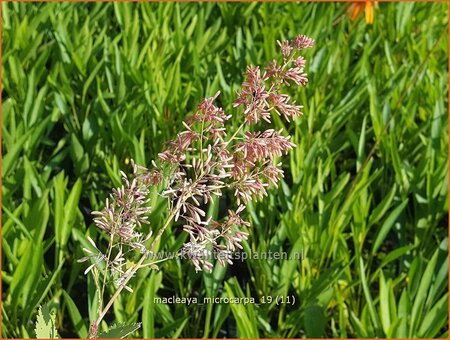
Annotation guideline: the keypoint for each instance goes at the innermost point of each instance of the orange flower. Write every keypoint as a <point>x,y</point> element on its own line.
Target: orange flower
<point>357,7</point>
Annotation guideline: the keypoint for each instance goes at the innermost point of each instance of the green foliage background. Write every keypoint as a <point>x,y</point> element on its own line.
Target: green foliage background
<point>86,87</point>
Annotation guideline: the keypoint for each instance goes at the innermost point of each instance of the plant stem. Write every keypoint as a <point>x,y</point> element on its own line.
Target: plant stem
<point>105,274</point>
<point>207,321</point>
<point>129,276</point>
<point>235,134</point>
<point>124,283</point>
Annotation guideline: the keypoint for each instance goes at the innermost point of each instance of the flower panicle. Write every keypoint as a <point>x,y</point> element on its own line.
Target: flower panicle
<point>204,162</point>
<point>127,206</point>
<point>211,161</point>
<point>260,92</point>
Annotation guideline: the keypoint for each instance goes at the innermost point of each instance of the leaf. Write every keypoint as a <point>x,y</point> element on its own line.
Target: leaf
<point>80,157</point>
<point>45,324</point>
<point>387,225</point>
<point>395,254</point>
<point>38,217</point>
<point>435,319</point>
<point>242,313</point>
<point>362,140</point>
<point>369,300</point>
<point>148,311</point>
<point>11,157</point>
<point>59,187</point>
<point>176,327</point>
<point>421,295</point>
<point>361,331</point>
<point>90,79</point>
<point>27,274</point>
<point>314,321</point>
<point>288,267</point>
<point>75,316</point>
<point>384,304</point>
<point>42,289</point>
<point>404,311</point>
<point>381,208</point>
<point>69,213</point>
<point>17,222</point>
<point>120,331</point>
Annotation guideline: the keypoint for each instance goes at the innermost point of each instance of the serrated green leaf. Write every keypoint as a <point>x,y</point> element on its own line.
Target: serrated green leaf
<point>45,327</point>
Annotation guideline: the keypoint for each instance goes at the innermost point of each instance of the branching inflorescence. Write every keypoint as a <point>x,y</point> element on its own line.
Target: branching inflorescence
<point>198,166</point>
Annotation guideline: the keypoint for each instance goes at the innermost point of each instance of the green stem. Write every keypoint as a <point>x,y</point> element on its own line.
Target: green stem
<point>105,273</point>
<point>130,274</point>
<point>207,320</point>
<point>235,134</point>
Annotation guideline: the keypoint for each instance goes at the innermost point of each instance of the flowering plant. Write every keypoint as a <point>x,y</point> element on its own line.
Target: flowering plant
<point>201,163</point>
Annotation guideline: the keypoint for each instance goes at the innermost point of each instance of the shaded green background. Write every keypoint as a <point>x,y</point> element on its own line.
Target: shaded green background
<point>86,87</point>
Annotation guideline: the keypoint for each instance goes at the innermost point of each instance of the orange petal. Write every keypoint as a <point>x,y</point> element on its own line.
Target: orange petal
<point>369,12</point>
<point>355,10</point>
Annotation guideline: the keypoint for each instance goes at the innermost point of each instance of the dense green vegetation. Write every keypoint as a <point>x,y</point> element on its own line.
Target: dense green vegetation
<point>87,87</point>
